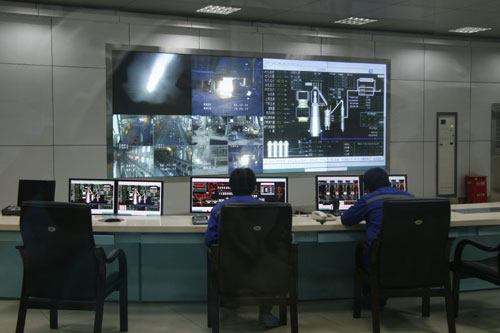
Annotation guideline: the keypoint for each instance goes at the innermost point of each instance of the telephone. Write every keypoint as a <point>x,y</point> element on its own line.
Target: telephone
<point>322,217</point>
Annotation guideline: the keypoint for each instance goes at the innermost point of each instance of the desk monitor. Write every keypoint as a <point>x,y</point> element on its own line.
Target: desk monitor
<point>37,190</point>
<point>272,189</point>
<point>98,194</point>
<point>344,188</point>
<point>140,198</point>
<point>399,182</point>
<point>206,192</point>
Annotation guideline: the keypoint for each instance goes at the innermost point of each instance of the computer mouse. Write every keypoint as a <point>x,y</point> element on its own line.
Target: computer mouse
<point>113,219</point>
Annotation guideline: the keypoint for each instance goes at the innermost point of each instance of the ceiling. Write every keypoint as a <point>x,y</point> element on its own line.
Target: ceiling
<point>416,16</point>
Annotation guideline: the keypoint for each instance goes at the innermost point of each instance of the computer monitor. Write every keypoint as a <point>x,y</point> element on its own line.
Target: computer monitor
<point>345,188</point>
<point>272,189</point>
<point>206,192</point>
<point>399,182</point>
<point>140,198</point>
<point>98,194</point>
<point>35,190</point>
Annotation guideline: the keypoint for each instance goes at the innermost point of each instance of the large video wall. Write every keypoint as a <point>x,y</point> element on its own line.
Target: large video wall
<point>175,114</point>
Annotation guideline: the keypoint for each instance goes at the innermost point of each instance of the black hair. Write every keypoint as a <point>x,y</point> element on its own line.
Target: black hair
<point>375,178</point>
<point>242,181</point>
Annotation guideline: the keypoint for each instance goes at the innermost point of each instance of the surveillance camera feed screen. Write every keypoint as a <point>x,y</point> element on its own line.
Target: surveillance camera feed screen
<point>99,195</point>
<point>139,198</point>
<point>343,188</point>
<point>206,192</point>
<point>197,115</point>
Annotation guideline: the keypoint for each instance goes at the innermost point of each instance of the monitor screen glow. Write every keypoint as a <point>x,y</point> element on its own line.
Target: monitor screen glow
<point>207,192</point>
<point>140,198</point>
<point>398,182</point>
<point>98,194</point>
<point>344,188</point>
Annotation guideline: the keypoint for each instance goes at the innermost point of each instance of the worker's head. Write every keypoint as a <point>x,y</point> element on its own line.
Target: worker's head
<point>375,178</point>
<point>242,181</point>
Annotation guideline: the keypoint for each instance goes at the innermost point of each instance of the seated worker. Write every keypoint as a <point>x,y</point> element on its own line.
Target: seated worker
<point>369,206</point>
<point>243,184</point>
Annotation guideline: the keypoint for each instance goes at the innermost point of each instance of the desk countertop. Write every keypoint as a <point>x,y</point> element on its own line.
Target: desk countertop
<point>301,223</point>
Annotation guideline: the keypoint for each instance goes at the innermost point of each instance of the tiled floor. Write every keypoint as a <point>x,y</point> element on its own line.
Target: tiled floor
<point>480,312</point>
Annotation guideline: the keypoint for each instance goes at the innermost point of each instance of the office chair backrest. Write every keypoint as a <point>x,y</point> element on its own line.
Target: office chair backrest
<point>59,246</point>
<point>413,246</point>
<point>35,190</point>
<point>254,249</point>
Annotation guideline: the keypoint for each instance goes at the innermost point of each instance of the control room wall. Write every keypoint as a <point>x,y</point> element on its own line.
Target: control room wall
<point>53,107</point>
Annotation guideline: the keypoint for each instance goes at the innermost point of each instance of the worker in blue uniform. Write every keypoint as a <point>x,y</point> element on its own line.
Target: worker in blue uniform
<point>369,206</point>
<point>243,184</point>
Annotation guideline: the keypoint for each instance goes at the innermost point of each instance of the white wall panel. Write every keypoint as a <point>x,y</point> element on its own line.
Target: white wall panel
<point>228,40</point>
<point>25,40</point>
<point>429,169</point>
<point>406,110</point>
<point>485,64</point>
<point>408,158</point>
<point>482,96</point>
<point>176,197</point>
<point>290,44</point>
<point>26,105</point>
<point>82,43</point>
<point>25,162</point>
<point>480,159</point>
<point>407,59</point>
<point>463,160</point>
<point>446,97</point>
<point>447,63</point>
<point>172,38</point>
<point>347,48</point>
<point>79,106</point>
<point>77,162</point>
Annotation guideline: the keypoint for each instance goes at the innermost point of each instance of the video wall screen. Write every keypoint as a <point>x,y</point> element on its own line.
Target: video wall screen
<point>193,114</point>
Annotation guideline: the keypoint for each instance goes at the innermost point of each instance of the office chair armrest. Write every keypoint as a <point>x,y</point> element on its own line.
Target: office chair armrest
<point>122,259</point>
<point>460,247</point>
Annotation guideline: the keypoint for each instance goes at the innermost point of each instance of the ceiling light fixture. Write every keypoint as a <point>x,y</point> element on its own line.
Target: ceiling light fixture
<point>220,10</point>
<point>469,30</point>
<point>356,20</point>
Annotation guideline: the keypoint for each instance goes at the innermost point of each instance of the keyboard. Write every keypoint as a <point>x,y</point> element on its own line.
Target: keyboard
<point>200,219</point>
<point>11,211</point>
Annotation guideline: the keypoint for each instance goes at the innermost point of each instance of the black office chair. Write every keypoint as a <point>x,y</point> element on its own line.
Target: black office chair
<point>485,269</point>
<point>254,262</point>
<point>63,270</point>
<point>409,259</point>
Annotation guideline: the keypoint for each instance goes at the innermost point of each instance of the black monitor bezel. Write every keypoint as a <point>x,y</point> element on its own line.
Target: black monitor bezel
<point>96,179</point>
<point>316,186</point>
<point>191,190</point>
<point>400,175</point>
<point>140,181</point>
<point>51,186</point>
<point>277,177</point>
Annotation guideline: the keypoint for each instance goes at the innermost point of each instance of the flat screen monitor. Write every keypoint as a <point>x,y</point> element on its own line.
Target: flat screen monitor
<point>206,192</point>
<point>35,190</point>
<point>344,188</point>
<point>139,198</point>
<point>98,194</point>
<point>399,182</point>
<point>201,113</point>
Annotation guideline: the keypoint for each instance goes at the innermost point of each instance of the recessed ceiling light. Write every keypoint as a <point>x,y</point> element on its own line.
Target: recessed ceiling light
<point>356,20</point>
<point>221,10</point>
<point>470,30</point>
